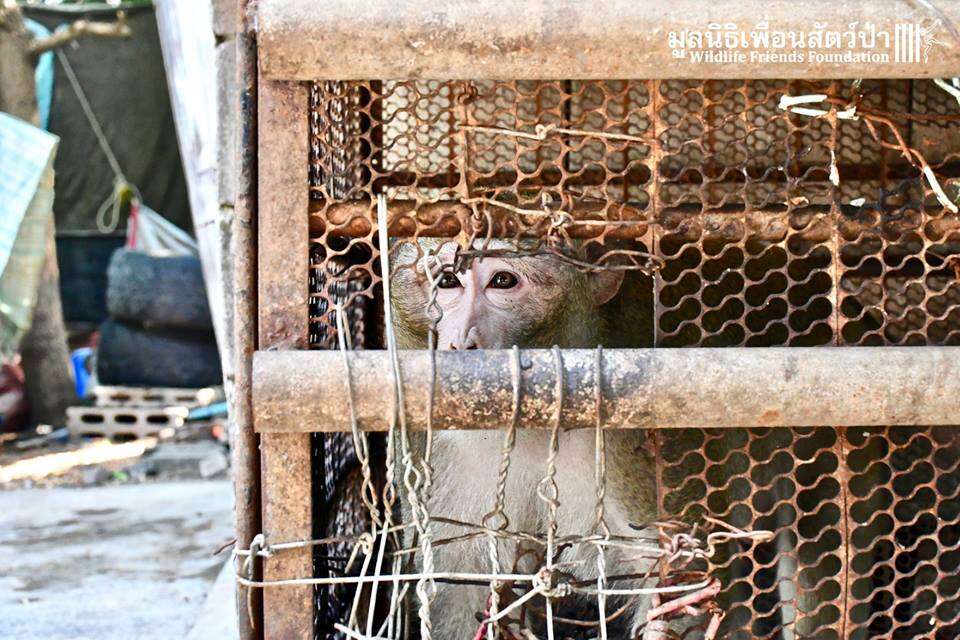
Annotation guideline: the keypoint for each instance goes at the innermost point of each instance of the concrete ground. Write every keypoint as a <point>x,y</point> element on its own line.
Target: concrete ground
<point>116,561</point>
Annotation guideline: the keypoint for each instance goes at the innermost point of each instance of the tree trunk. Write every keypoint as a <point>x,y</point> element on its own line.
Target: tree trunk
<point>45,356</point>
<point>18,93</point>
<point>44,353</point>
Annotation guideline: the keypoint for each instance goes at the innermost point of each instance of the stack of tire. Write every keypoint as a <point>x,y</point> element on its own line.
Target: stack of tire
<point>159,333</point>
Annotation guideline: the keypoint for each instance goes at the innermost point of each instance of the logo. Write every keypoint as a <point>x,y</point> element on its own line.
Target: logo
<point>727,43</point>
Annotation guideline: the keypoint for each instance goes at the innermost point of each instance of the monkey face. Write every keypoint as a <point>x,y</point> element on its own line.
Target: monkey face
<point>498,302</point>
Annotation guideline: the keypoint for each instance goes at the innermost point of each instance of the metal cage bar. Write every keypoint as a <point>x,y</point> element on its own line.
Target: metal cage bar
<point>641,388</point>
<point>304,40</point>
<point>244,441</point>
<point>283,320</point>
<point>400,138</point>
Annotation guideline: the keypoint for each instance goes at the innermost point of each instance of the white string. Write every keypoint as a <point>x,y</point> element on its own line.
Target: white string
<point>400,577</point>
<point>789,103</point>
<point>360,447</point>
<point>350,633</point>
<point>953,87</point>
<point>394,610</point>
<point>378,574</point>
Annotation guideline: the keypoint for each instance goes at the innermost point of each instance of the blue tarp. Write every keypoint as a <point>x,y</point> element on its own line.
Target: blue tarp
<point>43,74</point>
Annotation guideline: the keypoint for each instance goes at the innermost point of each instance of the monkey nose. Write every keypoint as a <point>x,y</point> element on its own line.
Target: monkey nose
<point>468,341</point>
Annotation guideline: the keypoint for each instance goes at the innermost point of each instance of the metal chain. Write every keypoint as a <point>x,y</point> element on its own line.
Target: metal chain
<point>600,479</point>
<point>497,518</point>
<point>368,492</point>
<point>412,478</point>
<point>631,259</point>
<point>547,489</point>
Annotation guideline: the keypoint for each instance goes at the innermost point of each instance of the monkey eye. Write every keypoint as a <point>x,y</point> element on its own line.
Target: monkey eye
<point>503,280</point>
<point>448,281</point>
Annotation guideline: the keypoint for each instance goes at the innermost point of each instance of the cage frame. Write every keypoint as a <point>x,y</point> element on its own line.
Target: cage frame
<point>280,48</point>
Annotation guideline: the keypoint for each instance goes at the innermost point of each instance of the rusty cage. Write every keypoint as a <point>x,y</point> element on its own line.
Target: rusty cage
<point>783,203</point>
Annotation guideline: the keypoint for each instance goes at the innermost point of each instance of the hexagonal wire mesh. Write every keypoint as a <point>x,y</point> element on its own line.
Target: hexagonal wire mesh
<point>774,228</point>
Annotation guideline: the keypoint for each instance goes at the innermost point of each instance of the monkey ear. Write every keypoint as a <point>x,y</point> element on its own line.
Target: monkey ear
<point>604,285</point>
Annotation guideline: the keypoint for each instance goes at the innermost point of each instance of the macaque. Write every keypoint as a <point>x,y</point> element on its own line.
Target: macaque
<point>531,302</point>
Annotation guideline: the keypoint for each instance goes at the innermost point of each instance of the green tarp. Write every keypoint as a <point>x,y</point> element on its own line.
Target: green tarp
<point>26,200</point>
<point>124,80</point>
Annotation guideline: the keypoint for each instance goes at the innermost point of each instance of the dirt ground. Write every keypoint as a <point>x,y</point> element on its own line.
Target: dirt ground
<point>121,549</point>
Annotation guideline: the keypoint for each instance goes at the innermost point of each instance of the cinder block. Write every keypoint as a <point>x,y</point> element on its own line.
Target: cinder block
<point>117,396</point>
<point>131,422</point>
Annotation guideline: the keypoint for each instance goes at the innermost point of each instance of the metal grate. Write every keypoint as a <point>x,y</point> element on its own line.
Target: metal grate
<point>733,192</point>
<point>774,228</point>
<point>867,536</point>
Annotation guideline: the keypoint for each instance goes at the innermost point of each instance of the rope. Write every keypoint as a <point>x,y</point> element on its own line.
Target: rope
<point>111,205</point>
<point>389,492</point>
<point>368,493</point>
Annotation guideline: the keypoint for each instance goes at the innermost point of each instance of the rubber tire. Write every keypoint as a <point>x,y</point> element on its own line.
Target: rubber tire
<point>157,291</point>
<point>135,356</point>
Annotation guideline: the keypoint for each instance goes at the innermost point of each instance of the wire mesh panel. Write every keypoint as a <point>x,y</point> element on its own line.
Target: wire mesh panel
<point>775,213</point>
<point>904,532</point>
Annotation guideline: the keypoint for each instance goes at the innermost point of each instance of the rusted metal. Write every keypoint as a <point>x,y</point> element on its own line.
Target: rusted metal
<point>734,193</point>
<point>283,229</point>
<point>571,39</point>
<point>287,515</point>
<point>884,487</point>
<point>244,442</point>
<point>283,264</point>
<point>448,219</point>
<point>761,248</point>
<point>642,388</point>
